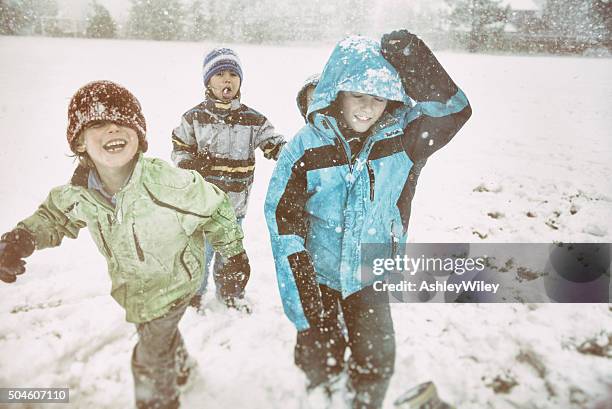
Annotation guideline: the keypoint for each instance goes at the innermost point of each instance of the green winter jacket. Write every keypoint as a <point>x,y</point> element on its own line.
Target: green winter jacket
<point>153,239</point>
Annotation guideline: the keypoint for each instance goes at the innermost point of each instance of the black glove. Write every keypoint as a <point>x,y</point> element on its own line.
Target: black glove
<point>233,278</point>
<point>422,75</point>
<point>14,246</point>
<point>308,287</point>
<point>200,163</point>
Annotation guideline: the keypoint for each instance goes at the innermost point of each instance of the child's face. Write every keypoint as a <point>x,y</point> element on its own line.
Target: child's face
<point>109,146</point>
<point>309,95</point>
<point>361,111</point>
<point>225,85</point>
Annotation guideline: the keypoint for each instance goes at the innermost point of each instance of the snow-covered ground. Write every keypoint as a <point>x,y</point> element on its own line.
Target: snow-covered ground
<point>532,165</point>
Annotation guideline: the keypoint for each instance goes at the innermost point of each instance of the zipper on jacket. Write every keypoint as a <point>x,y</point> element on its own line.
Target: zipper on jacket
<point>104,241</point>
<point>110,221</point>
<point>340,139</point>
<point>137,243</point>
<point>372,180</point>
<point>394,242</point>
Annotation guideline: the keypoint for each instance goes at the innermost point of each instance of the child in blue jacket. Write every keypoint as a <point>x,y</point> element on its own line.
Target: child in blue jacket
<point>347,178</point>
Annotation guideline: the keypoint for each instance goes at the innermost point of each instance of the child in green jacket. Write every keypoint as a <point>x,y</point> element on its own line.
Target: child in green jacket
<point>148,219</point>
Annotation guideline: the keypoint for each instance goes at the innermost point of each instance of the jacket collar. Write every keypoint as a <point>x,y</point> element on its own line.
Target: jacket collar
<point>81,176</point>
<point>219,107</point>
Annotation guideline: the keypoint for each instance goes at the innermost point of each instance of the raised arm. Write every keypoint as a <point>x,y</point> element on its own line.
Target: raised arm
<point>441,107</point>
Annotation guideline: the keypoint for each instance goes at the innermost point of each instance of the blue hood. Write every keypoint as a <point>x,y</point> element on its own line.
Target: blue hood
<point>357,65</point>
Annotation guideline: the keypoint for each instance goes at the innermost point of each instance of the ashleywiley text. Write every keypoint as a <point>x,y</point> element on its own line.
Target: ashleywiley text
<point>437,286</point>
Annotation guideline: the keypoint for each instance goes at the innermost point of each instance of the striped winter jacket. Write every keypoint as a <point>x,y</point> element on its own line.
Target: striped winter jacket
<point>321,206</point>
<point>219,142</point>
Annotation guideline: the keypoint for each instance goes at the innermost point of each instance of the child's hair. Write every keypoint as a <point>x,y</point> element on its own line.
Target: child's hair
<point>103,101</point>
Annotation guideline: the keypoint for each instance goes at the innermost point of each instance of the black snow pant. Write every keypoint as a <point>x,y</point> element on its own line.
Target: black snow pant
<point>158,356</point>
<point>319,351</point>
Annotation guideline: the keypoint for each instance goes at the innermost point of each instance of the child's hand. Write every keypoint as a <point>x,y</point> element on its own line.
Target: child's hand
<point>14,246</point>
<point>200,163</point>
<point>400,42</point>
<point>234,276</point>
<point>9,270</point>
<point>308,288</point>
<point>423,77</point>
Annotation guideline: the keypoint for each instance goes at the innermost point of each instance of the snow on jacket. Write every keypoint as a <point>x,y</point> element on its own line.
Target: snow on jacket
<point>320,207</point>
<point>153,239</point>
<point>220,144</point>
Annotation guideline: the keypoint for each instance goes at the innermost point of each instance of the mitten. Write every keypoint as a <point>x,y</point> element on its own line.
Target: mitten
<point>422,75</point>
<point>14,246</point>
<point>201,163</point>
<point>234,277</point>
<point>308,287</point>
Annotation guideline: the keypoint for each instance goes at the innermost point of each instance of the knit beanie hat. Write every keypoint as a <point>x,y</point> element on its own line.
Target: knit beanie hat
<point>104,101</point>
<point>218,60</point>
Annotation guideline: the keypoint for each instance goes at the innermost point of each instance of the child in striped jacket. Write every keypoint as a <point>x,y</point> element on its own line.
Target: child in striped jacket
<point>218,138</point>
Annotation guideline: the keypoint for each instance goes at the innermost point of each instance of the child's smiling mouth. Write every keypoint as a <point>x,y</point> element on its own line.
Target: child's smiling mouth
<point>115,145</point>
<point>362,118</point>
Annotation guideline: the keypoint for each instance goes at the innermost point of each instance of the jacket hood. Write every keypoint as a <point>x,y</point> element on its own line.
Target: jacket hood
<point>357,65</point>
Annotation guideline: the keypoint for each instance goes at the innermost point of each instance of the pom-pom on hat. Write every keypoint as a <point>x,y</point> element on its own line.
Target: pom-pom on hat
<point>104,101</point>
<point>218,60</point>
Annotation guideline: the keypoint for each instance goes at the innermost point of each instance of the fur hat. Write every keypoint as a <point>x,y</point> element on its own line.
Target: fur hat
<point>104,101</point>
<point>218,60</point>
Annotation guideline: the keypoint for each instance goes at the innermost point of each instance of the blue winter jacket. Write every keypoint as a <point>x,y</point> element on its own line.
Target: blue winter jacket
<point>321,206</point>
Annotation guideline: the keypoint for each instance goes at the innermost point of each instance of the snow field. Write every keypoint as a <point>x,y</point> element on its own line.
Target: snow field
<point>532,165</point>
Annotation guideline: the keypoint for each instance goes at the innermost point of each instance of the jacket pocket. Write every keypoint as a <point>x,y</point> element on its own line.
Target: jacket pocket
<point>189,262</point>
<point>372,180</point>
<point>139,251</point>
<point>104,243</point>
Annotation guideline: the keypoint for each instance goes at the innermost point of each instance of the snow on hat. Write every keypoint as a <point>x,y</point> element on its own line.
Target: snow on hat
<point>218,60</point>
<point>104,101</point>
